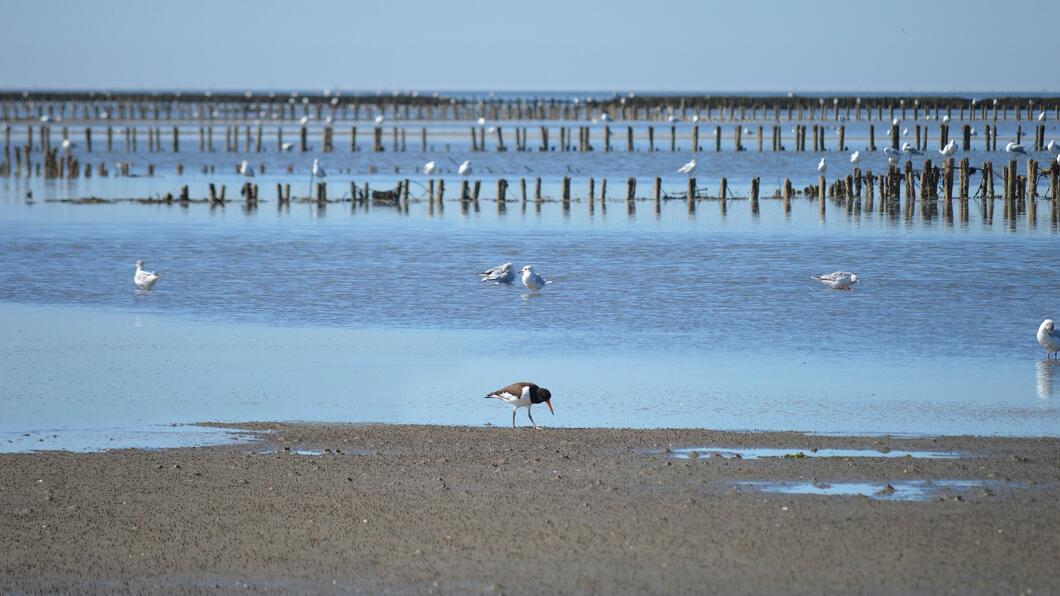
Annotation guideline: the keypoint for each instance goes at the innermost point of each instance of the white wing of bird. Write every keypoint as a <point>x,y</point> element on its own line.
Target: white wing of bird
<point>855,157</point>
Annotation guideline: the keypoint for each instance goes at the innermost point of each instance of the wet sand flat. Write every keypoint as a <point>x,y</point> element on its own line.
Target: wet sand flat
<point>415,509</point>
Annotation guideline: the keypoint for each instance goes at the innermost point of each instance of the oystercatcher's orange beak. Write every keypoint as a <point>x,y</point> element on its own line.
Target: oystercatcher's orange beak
<point>549,404</point>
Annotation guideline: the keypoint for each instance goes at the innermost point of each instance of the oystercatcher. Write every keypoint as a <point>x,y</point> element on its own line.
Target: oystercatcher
<point>523,395</point>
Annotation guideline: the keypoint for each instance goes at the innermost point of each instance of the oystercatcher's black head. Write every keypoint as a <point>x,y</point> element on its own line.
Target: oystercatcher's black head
<point>544,396</point>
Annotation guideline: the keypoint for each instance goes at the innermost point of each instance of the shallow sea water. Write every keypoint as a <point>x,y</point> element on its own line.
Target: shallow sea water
<point>655,318</point>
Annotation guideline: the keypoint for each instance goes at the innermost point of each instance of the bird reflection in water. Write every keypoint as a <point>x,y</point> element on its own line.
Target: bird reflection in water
<point>1046,373</point>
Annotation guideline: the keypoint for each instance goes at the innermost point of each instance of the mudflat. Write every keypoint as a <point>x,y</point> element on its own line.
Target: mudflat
<point>415,509</point>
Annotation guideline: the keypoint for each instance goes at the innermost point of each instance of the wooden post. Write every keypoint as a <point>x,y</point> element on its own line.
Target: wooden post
<point>754,196</point>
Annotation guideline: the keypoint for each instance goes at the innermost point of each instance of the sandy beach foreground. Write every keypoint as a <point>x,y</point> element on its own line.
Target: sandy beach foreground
<point>414,509</point>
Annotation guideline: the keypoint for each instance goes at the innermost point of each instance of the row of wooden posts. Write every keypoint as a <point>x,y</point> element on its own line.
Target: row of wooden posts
<point>22,106</point>
<point>247,139</point>
<point>931,186</point>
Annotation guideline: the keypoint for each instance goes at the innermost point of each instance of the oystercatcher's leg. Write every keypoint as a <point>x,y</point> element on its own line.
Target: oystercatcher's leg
<point>513,417</point>
<point>531,418</point>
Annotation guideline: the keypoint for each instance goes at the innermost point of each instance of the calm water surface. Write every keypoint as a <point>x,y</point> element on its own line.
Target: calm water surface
<point>654,319</point>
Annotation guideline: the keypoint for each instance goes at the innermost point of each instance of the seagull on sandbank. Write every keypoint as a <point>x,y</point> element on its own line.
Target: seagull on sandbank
<point>840,280</point>
<point>531,280</point>
<point>1049,338</point>
<point>688,169</point>
<point>523,395</point>
<point>501,274</point>
<point>144,279</point>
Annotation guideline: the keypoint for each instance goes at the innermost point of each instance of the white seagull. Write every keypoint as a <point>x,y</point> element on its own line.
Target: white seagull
<point>688,169</point>
<point>855,157</point>
<point>318,172</point>
<point>481,121</point>
<point>379,120</point>
<point>145,279</point>
<point>429,168</point>
<point>950,149</point>
<point>1012,147</point>
<point>1041,116</point>
<point>287,146</point>
<point>304,120</point>
<point>1053,146</point>
<point>531,280</point>
<point>1049,338</point>
<point>822,167</point>
<point>604,117</point>
<point>840,280</point>
<point>907,148</point>
<point>523,395</point>
<point>945,119</point>
<point>245,169</point>
<point>501,274</point>
<point>465,168</point>
<point>893,155</point>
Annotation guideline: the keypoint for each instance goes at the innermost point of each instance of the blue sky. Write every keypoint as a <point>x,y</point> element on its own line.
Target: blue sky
<point>616,45</point>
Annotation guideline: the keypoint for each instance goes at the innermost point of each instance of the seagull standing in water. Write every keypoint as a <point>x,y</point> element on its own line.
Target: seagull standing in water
<point>429,168</point>
<point>144,279</point>
<point>840,280</point>
<point>531,280</point>
<point>315,172</point>
<point>523,395</point>
<point>688,169</point>
<point>1049,338</point>
<point>501,274</point>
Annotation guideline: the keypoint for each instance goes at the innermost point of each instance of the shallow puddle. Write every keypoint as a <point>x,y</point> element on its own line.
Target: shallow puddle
<point>770,452</point>
<point>913,490</point>
<point>107,439</point>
